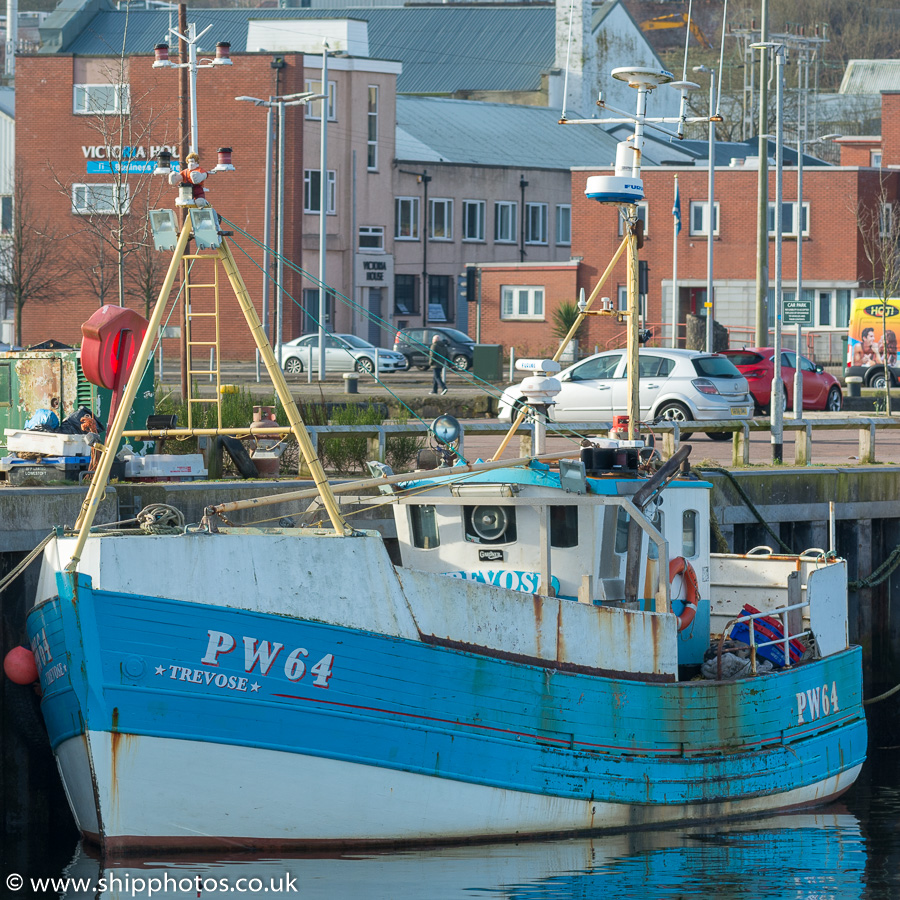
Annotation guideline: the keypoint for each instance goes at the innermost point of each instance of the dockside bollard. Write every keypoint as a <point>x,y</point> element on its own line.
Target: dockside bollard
<point>351,383</point>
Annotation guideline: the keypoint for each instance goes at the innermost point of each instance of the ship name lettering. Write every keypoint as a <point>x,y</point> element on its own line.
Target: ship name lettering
<point>210,679</point>
<point>817,702</point>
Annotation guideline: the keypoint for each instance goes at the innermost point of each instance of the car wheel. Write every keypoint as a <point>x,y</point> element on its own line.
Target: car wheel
<point>365,366</point>
<point>520,406</point>
<point>293,366</point>
<point>675,412</point>
<point>878,381</point>
<point>719,435</point>
<point>461,363</point>
<point>835,401</point>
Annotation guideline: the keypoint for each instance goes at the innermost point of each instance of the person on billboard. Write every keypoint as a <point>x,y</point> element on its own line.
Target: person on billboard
<point>865,353</point>
<point>889,348</point>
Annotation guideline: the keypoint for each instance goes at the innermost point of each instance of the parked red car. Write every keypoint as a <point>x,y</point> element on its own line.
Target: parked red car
<point>757,365</point>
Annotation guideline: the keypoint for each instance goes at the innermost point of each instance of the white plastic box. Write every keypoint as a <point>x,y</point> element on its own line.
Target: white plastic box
<point>47,443</point>
<point>167,466</point>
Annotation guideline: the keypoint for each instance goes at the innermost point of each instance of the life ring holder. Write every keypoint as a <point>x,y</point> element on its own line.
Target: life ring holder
<point>680,566</point>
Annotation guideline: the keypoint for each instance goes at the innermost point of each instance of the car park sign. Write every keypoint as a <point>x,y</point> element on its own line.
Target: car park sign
<point>796,312</point>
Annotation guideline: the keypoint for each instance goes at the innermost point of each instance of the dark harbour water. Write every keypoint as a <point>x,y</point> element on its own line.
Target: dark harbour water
<point>850,849</point>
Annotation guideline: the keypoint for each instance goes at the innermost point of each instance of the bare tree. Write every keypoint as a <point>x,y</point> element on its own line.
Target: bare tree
<point>146,270</point>
<point>878,221</point>
<point>33,262</point>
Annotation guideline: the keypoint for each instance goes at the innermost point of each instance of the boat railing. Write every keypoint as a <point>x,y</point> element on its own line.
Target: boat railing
<point>781,612</point>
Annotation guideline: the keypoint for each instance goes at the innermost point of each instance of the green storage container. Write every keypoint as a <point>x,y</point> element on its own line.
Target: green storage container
<point>487,361</point>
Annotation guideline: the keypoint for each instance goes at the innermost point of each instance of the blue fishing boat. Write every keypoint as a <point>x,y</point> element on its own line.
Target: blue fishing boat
<point>552,653</point>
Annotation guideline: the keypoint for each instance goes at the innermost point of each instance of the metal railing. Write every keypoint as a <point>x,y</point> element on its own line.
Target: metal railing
<point>784,641</point>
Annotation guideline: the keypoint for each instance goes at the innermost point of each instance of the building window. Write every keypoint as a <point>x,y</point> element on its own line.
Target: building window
<point>372,158</point>
<point>521,302</point>
<point>622,295</point>
<point>99,199</point>
<point>473,220</point>
<point>642,215</point>
<point>314,109</point>
<point>100,99</point>
<point>439,292</point>
<point>406,223</point>
<point>310,311</point>
<point>406,295</point>
<point>440,220</point>
<point>564,225</point>
<point>6,214</point>
<point>875,158</point>
<point>788,213</point>
<point>886,219</point>
<point>505,221</point>
<point>371,237</point>
<point>312,191</point>
<point>700,217</point>
<point>536,223</point>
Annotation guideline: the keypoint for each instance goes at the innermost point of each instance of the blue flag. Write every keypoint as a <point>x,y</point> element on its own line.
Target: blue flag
<point>676,209</point>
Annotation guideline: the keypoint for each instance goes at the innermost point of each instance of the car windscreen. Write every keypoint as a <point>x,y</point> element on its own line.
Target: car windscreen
<point>457,336</point>
<point>715,367</point>
<point>744,358</point>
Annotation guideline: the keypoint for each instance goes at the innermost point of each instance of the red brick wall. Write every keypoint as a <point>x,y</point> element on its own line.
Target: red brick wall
<point>530,338</point>
<point>890,127</point>
<point>49,141</point>
<point>858,153</point>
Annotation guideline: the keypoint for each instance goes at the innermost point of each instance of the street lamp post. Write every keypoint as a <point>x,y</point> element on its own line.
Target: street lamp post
<point>323,196</point>
<point>273,104</point>
<point>711,205</point>
<point>776,402</point>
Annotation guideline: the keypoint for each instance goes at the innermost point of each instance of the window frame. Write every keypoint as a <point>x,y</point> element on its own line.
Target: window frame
<point>372,132</point>
<point>543,211</point>
<point>7,214</point>
<point>786,204</point>
<point>703,205</point>
<point>115,197</point>
<point>120,91</point>
<point>447,203</point>
<point>371,231</point>
<point>643,208</point>
<point>885,219</point>
<point>414,219</point>
<point>313,108</point>
<point>330,193</point>
<point>413,308</point>
<point>481,206</point>
<point>531,315</point>
<point>511,206</point>
<point>568,208</point>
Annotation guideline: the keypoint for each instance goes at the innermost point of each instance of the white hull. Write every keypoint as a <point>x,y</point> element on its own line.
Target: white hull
<point>173,792</point>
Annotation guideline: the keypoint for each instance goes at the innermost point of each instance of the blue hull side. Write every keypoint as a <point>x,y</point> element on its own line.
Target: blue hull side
<point>198,672</point>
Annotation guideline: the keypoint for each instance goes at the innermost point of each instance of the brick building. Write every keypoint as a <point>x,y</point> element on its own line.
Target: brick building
<point>835,268</point>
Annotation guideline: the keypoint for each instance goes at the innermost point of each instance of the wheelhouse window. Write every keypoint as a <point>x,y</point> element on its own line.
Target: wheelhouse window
<point>689,533</point>
<point>423,524</point>
<point>406,221</point>
<point>490,524</point>
<point>99,199</point>
<point>521,302</point>
<point>473,220</point>
<point>100,99</point>
<point>563,526</point>
<point>312,193</point>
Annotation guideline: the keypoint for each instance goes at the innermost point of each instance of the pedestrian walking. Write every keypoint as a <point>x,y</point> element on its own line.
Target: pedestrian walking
<point>437,357</point>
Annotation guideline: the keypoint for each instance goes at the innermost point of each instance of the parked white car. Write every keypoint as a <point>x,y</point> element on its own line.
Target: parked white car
<point>343,353</point>
<point>680,385</point>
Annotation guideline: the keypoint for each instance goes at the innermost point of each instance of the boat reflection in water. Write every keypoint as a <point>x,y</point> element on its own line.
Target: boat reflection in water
<point>802,857</point>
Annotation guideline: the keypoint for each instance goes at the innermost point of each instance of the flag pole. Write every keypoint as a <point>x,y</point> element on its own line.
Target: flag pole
<point>676,213</point>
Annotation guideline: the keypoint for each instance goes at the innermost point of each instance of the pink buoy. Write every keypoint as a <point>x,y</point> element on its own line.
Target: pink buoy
<point>20,667</point>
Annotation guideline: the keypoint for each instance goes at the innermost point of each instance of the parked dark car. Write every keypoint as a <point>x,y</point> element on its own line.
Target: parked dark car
<point>413,343</point>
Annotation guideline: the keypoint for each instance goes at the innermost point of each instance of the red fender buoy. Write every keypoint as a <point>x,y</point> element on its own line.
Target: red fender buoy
<point>20,667</point>
<point>680,566</point>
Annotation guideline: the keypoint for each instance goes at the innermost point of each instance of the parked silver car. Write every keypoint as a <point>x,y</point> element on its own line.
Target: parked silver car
<point>680,385</point>
<point>343,353</point>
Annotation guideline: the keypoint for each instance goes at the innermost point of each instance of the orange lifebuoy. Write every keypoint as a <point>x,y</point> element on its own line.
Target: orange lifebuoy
<point>680,566</point>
